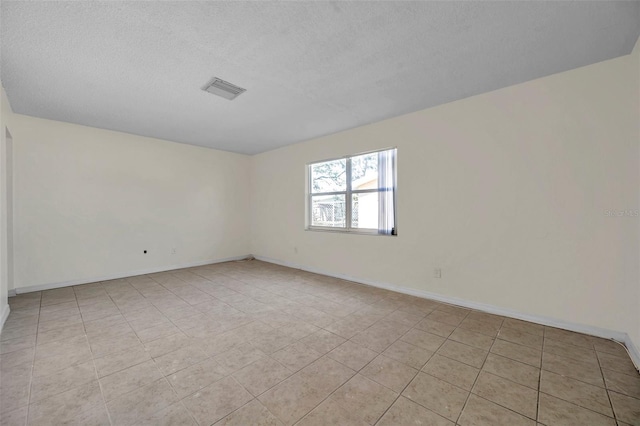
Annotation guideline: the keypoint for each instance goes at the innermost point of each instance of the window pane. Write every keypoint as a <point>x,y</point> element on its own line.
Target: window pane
<point>330,176</point>
<point>364,210</point>
<point>328,210</point>
<point>364,171</point>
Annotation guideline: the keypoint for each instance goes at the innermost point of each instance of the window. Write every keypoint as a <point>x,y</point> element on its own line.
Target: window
<point>353,194</point>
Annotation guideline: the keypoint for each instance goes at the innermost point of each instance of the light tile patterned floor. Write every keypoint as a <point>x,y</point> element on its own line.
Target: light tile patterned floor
<point>250,343</point>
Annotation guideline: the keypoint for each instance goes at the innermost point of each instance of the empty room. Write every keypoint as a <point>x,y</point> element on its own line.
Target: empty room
<point>320,213</point>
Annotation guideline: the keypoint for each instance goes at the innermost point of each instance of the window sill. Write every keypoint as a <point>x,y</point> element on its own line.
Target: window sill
<point>344,231</point>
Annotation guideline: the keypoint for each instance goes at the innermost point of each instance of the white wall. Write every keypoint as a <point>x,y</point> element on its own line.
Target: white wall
<point>505,191</point>
<point>89,201</point>
<point>6,252</point>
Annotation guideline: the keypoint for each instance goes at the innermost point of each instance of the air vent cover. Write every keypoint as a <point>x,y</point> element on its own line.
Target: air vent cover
<point>223,88</point>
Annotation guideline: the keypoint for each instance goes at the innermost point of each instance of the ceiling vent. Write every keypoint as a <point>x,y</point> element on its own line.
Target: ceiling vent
<point>223,88</point>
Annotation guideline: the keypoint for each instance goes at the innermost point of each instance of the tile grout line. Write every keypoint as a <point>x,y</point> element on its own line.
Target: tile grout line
<point>613,411</point>
<point>138,337</point>
<point>605,388</point>
<point>93,358</point>
<point>164,376</point>
<point>253,398</point>
<point>465,344</point>
<point>585,383</point>
<point>554,354</point>
<point>328,396</point>
<point>415,375</point>
<point>296,372</point>
<point>181,402</point>
<point>93,361</point>
<point>509,380</point>
<point>571,377</point>
<point>434,353</point>
<point>503,406</point>
<point>419,370</point>
<point>457,421</point>
<point>544,332</point>
<point>35,348</point>
<point>579,406</point>
<point>356,373</point>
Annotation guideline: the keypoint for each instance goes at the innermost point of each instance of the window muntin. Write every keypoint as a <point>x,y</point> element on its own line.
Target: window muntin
<point>353,194</point>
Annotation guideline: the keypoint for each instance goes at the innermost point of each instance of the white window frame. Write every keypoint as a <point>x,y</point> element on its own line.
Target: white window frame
<point>348,193</point>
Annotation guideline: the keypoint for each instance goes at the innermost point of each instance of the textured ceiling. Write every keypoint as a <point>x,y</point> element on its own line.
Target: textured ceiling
<point>309,68</point>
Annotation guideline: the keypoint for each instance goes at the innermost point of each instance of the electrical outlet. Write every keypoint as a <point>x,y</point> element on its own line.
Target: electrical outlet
<point>173,250</point>
<point>437,273</point>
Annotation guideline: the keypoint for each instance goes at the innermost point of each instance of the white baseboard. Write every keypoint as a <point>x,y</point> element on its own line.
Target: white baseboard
<point>618,336</point>
<point>51,286</point>
<point>5,315</point>
<point>634,353</point>
<point>11,292</point>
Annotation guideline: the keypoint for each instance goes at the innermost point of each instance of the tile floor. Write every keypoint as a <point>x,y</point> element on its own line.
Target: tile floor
<point>250,343</point>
